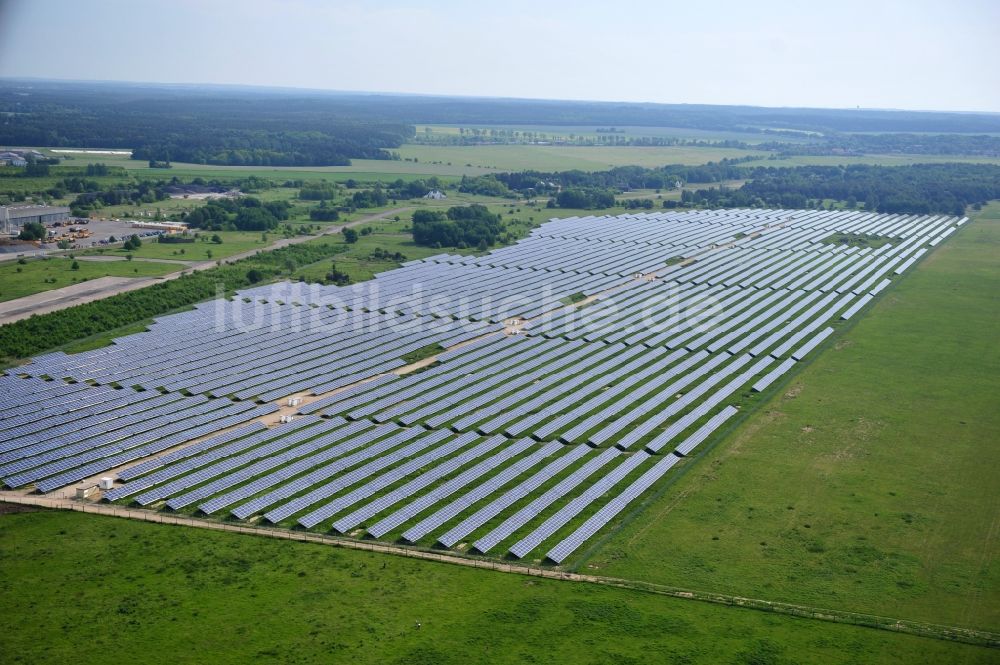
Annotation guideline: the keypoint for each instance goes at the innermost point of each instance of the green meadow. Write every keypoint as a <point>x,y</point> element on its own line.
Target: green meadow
<point>869,481</point>
<point>72,582</point>
<point>36,275</point>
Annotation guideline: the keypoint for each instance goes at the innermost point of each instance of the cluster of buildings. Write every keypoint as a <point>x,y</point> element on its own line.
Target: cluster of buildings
<point>19,157</point>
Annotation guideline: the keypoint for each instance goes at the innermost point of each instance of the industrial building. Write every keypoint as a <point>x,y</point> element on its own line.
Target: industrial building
<point>12,159</point>
<point>12,218</point>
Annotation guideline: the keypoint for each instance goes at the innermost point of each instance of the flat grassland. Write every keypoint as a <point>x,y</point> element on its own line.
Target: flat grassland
<point>545,132</point>
<point>358,261</point>
<point>565,158</point>
<point>70,580</point>
<point>37,275</point>
<point>233,242</point>
<point>364,170</point>
<point>449,163</point>
<point>869,483</point>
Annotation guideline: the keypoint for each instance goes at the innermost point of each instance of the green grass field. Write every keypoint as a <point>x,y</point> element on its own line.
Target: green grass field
<point>590,131</point>
<point>449,163</point>
<point>869,483</point>
<point>356,260</point>
<point>233,242</point>
<point>565,158</point>
<point>166,207</point>
<point>365,170</point>
<point>71,582</point>
<point>17,281</point>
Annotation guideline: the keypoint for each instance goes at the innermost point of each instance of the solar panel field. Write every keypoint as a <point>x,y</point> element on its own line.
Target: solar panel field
<point>558,380</point>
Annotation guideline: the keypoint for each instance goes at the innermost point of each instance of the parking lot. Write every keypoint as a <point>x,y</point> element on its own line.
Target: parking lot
<point>101,233</point>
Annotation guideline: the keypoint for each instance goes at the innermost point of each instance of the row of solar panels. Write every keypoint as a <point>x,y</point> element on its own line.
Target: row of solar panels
<point>650,227</point>
<point>505,400</point>
<point>541,387</point>
<point>100,429</point>
<point>332,474</point>
<point>117,366</point>
<point>267,363</point>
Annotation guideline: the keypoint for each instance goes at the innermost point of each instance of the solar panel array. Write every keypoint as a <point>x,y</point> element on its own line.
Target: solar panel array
<point>570,373</point>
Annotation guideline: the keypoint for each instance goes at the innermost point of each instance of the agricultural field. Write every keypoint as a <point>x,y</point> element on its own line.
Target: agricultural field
<point>229,598</point>
<point>36,275</point>
<point>365,170</point>
<point>866,482</point>
<point>450,163</point>
<point>565,158</point>
<point>590,132</point>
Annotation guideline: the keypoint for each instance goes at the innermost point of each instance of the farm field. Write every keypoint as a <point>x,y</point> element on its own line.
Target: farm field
<point>194,596</point>
<point>449,163</point>
<point>37,275</point>
<point>566,158</point>
<point>869,481</point>
<point>590,131</point>
<point>366,170</point>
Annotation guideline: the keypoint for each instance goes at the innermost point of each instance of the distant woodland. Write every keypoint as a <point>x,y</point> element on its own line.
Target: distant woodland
<point>918,189</point>
<point>227,125</point>
<point>164,125</point>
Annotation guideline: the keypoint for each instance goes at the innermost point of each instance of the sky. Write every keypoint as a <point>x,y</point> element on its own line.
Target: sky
<point>904,54</point>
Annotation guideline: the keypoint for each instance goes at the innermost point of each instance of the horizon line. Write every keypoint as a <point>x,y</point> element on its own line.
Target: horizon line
<point>335,91</point>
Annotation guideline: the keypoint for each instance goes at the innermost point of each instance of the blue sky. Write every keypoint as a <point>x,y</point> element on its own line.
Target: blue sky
<point>912,54</point>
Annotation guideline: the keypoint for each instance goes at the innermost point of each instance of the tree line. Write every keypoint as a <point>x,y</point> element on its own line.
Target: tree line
<point>623,178</point>
<point>225,128</point>
<point>915,189</point>
<point>969,145</point>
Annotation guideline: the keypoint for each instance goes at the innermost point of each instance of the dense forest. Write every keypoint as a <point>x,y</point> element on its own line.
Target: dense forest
<point>917,189</point>
<point>164,124</point>
<point>460,226</point>
<point>968,145</point>
<point>245,213</point>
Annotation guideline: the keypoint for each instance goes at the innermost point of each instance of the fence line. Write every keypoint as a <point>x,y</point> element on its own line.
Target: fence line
<point>923,629</point>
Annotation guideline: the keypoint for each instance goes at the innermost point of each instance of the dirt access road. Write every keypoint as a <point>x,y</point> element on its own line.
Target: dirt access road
<point>96,289</point>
